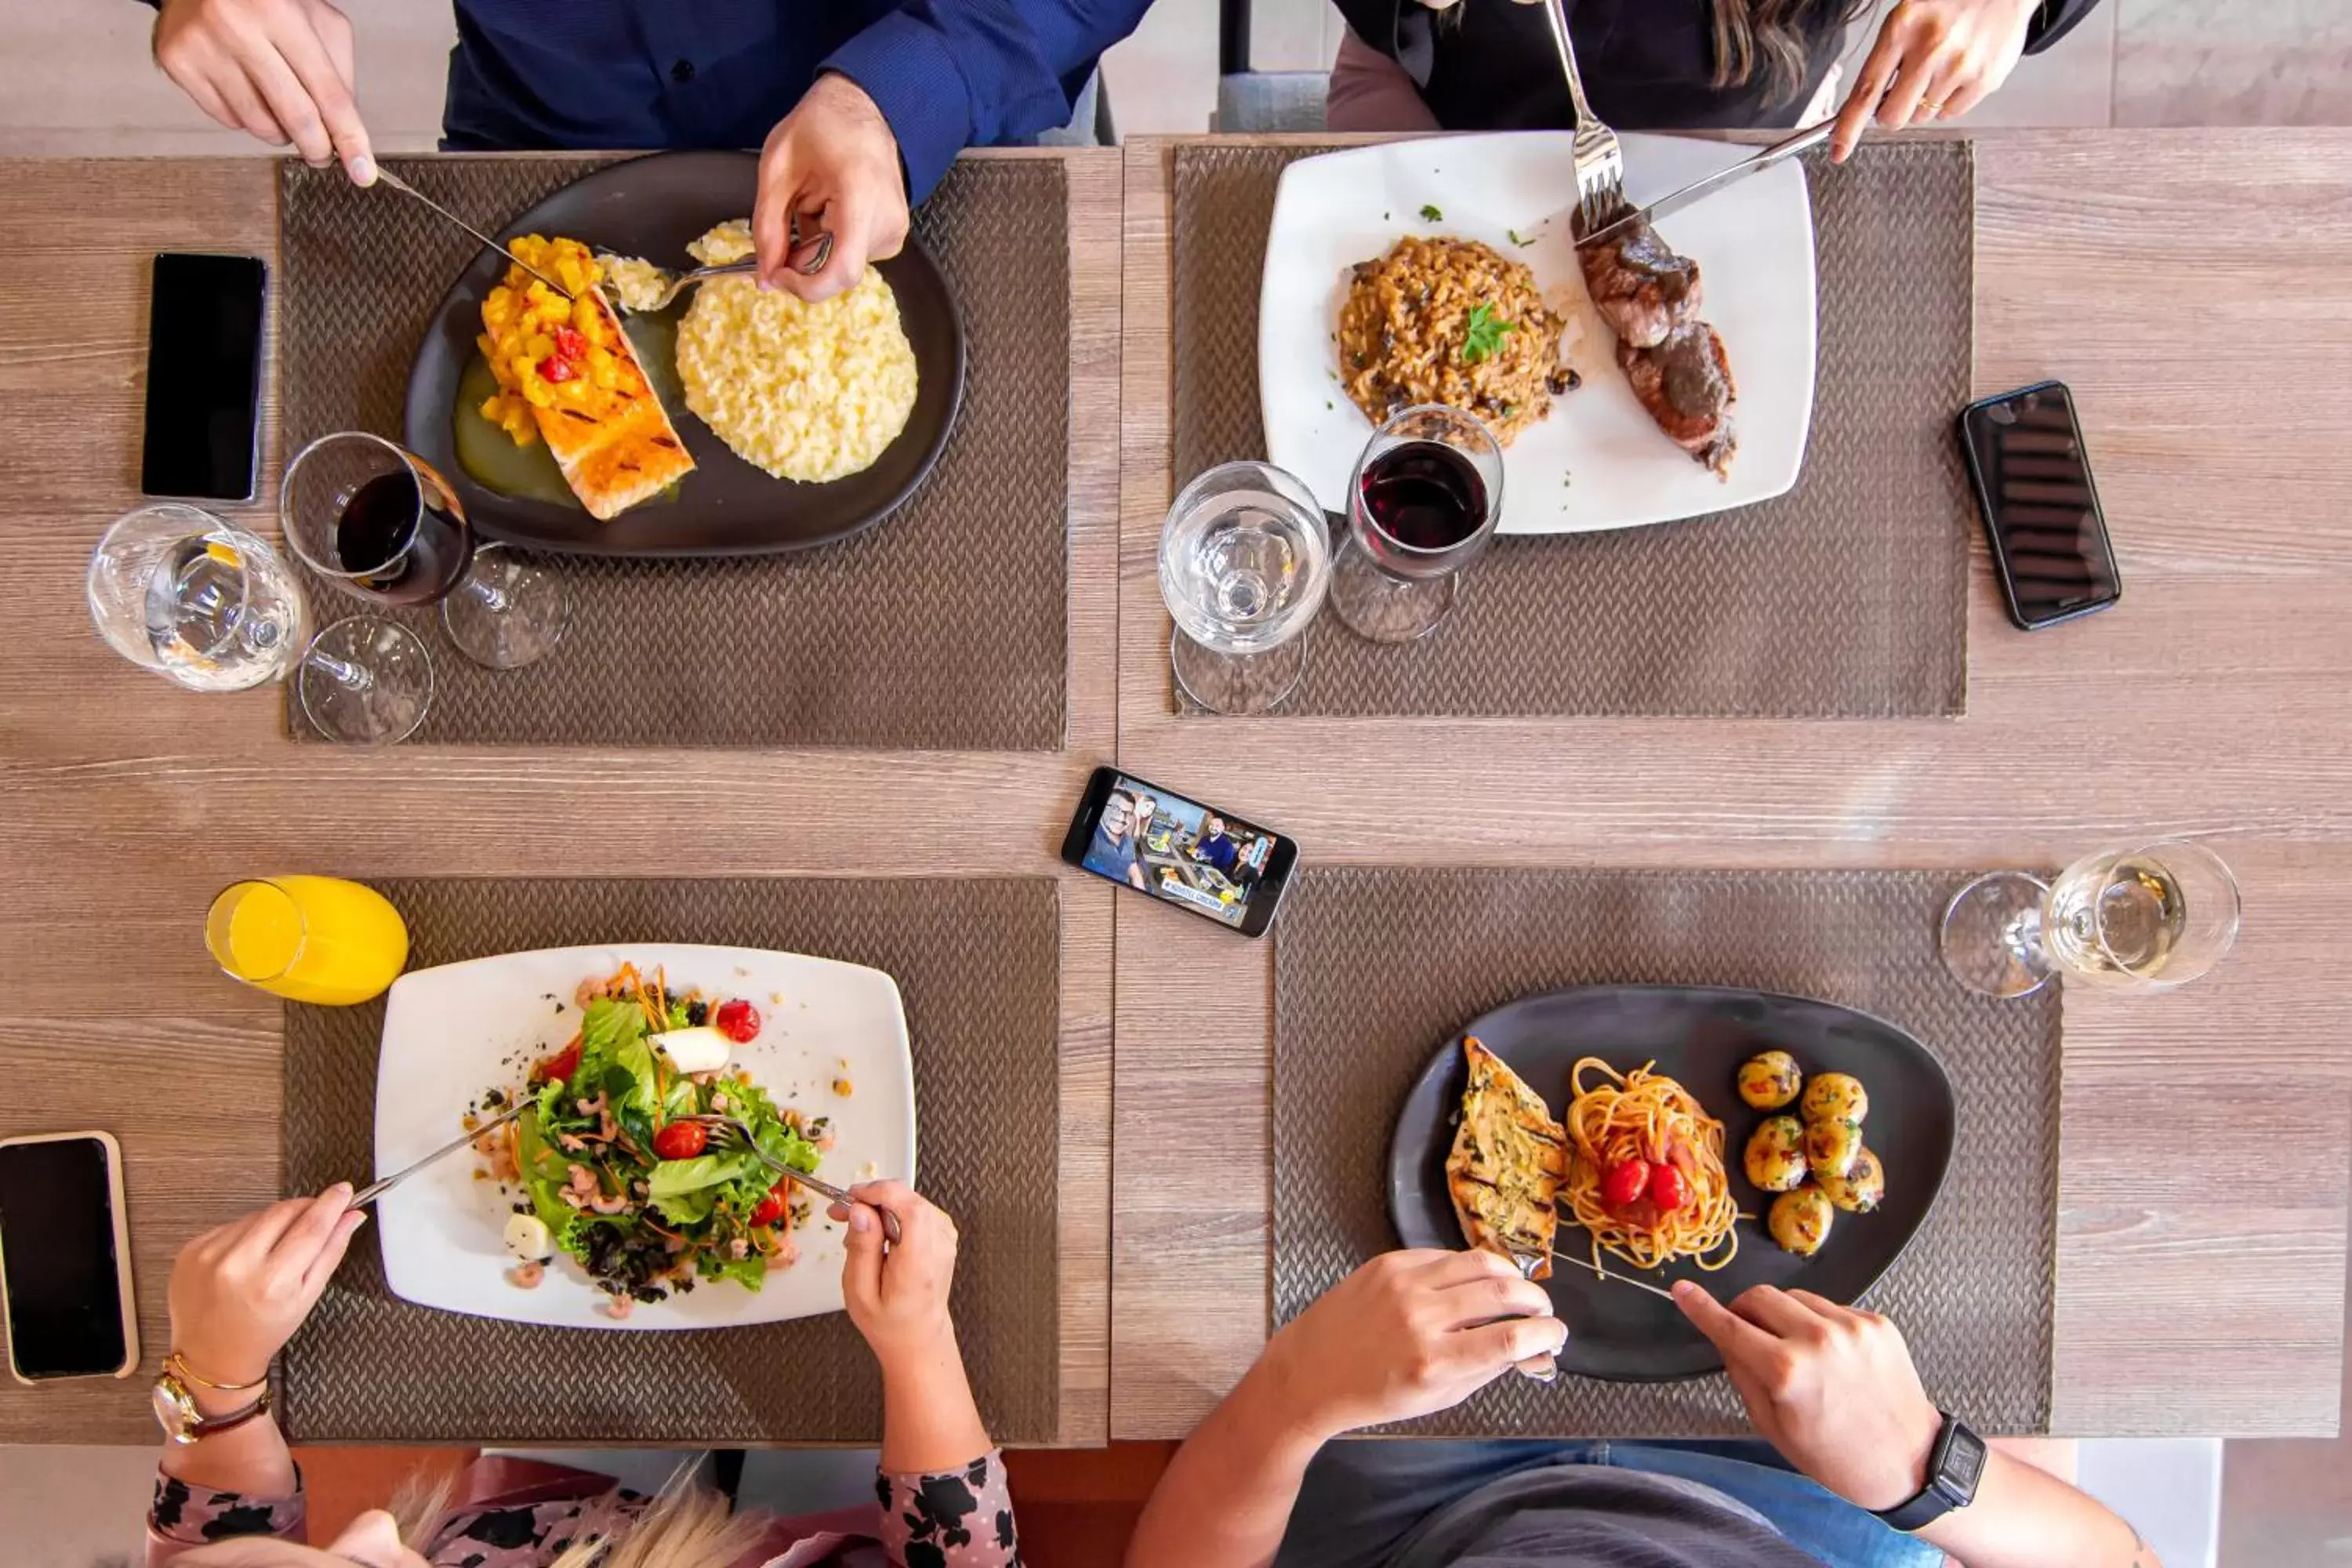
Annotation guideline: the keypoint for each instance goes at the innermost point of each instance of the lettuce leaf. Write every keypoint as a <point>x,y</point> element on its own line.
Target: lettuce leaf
<point>750,1271</point>
<point>673,1178</point>
<point>685,1208</point>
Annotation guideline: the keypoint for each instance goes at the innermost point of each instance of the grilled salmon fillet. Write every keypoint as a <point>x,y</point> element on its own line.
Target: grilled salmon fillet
<point>1508,1160</point>
<point>616,445</point>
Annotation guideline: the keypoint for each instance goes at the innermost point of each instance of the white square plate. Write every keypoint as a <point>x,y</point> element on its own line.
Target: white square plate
<point>451,1033</point>
<point>1598,461</point>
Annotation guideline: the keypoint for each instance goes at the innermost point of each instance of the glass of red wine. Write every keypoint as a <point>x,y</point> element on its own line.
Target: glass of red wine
<point>380,523</point>
<point>1421,506</point>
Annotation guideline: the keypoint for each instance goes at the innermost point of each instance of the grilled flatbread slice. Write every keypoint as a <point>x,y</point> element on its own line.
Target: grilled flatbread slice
<point>616,445</point>
<point>1508,1160</point>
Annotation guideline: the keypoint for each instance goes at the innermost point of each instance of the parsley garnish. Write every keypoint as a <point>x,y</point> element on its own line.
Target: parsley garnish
<point>1484,336</point>
<point>1429,213</point>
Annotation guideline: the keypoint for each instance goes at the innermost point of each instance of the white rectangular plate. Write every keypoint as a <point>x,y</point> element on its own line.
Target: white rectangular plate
<point>1599,461</point>
<point>451,1033</point>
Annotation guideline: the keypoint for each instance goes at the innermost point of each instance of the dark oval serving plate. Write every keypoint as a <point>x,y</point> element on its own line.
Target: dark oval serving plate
<point>652,206</point>
<point>1698,1035</point>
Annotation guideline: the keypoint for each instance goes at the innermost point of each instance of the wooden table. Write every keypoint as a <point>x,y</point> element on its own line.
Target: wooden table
<point>2208,330</point>
<point>2195,290</point>
<point>127,802</point>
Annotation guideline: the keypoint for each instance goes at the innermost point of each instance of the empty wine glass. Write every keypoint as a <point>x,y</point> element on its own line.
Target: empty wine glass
<point>2144,917</point>
<point>175,590</point>
<point>381,524</point>
<point>1244,558</point>
<point>1422,504</point>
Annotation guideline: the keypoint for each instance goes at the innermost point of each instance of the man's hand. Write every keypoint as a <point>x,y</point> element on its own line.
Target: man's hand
<point>1405,1334</point>
<point>1833,1389</point>
<point>239,1291</point>
<point>1933,60</point>
<point>279,68</point>
<point>832,161</point>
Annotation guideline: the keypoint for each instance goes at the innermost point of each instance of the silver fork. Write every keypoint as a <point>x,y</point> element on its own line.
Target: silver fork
<point>1600,162</point>
<point>679,282</point>
<point>806,256</point>
<point>727,1132</point>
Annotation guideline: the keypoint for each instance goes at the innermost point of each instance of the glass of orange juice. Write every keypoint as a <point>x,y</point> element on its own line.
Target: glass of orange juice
<point>307,938</point>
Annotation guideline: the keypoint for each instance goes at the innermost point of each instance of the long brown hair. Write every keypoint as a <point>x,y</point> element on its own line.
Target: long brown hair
<point>1775,36</point>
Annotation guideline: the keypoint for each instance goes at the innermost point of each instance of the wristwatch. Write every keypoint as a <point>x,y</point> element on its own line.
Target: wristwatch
<point>1954,1465</point>
<point>176,1405</point>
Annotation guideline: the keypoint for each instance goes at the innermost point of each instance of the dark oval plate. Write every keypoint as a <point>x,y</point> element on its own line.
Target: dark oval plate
<point>1698,1035</point>
<point>652,206</point>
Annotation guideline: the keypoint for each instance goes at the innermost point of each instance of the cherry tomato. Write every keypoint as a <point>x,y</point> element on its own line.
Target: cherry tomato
<point>681,1141</point>
<point>737,1020</point>
<point>563,1064</point>
<point>1668,1188</point>
<point>1627,1180</point>
<point>771,1208</point>
<point>570,344</point>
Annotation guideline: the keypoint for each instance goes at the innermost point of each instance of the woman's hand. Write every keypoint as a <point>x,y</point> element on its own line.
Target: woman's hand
<point>1933,60</point>
<point>1833,1389</point>
<point>834,159</point>
<point>1408,1333</point>
<point>239,1291</point>
<point>279,68</point>
<point>898,1297</point>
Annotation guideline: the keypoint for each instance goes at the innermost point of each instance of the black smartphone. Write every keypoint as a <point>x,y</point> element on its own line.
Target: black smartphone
<point>1179,851</point>
<point>64,1258</point>
<point>2032,478</point>
<point>204,376</point>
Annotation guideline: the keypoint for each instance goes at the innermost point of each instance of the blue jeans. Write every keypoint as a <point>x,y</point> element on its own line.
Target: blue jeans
<point>1360,1497</point>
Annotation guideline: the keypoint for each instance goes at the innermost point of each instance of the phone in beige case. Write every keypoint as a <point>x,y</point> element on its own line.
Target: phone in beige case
<point>46,1186</point>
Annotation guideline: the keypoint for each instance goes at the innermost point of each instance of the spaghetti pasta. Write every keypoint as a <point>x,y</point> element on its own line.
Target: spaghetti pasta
<point>1647,1116</point>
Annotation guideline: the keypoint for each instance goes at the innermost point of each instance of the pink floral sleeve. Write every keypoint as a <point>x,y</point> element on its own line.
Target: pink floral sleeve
<point>957,1518</point>
<point>185,1516</point>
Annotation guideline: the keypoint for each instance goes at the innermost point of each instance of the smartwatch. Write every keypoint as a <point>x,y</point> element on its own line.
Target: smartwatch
<point>1954,1465</point>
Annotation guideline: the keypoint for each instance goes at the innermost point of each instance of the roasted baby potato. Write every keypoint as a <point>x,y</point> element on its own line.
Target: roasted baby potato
<point>1831,1148</point>
<point>1799,1221</point>
<point>1836,1097</point>
<point>1775,1160</point>
<point>1861,1189</point>
<point>1770,1080</point>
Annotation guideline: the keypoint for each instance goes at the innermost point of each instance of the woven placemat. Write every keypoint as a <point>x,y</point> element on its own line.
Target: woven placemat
<point>978,965</point>
<point>1845,598</point>
<point>942,627</point>
<point>1973,1291</point>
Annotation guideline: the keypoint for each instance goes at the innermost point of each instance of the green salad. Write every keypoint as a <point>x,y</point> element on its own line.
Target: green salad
<point>623,1179</point>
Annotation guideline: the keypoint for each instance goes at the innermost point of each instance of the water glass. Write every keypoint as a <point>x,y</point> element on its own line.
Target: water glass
<point>2139,917</point>
<point>1421,506</point>
<point>175,590</point>
<point>1245,559</point>
<point>381,524</point>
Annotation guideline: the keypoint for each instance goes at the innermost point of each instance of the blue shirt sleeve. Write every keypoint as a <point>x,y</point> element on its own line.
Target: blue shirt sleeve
<point>951,74</point>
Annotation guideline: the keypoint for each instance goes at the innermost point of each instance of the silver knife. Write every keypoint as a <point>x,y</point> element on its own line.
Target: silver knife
<point>385,177</point>
<point>1787,147</point>
<point>376,1189</point>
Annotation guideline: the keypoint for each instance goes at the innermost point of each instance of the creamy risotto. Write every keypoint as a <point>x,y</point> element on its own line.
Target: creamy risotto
<point>805,392</point>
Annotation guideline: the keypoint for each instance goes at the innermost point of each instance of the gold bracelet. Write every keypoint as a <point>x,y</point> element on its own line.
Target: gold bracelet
<point>177,1364</point>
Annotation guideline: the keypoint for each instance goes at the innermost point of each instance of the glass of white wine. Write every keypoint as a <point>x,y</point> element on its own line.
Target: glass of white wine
<point>2143,917</point>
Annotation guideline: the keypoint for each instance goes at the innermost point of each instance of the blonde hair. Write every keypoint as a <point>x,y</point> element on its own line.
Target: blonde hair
<point>686,1526</point>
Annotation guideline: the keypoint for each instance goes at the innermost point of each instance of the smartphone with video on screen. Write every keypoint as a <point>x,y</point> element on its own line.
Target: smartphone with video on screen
<point>1173,849</point>
<point>65,1259</point>
<point>2032,478</point>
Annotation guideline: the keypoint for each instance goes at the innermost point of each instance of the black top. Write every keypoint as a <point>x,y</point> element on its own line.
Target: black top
<point>1647,65</point>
